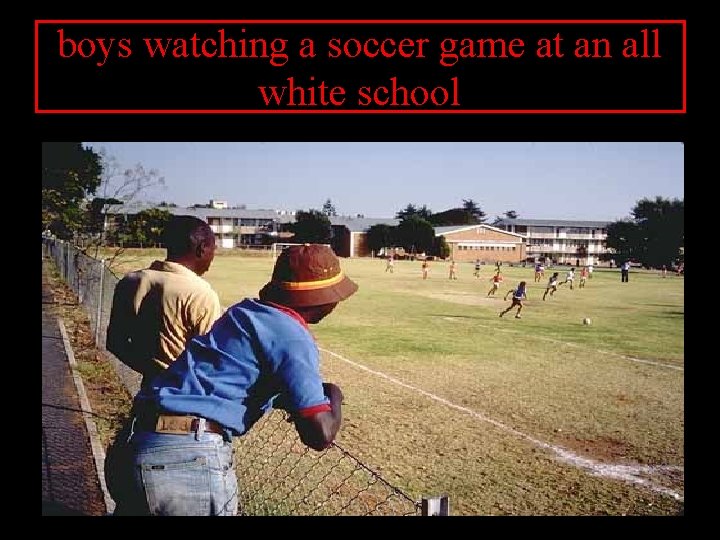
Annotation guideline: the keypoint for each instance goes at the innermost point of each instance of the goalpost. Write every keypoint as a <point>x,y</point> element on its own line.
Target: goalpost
<point>277,247</point>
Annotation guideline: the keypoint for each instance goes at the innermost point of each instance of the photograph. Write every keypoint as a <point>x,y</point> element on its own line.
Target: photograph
<point>363,328</point>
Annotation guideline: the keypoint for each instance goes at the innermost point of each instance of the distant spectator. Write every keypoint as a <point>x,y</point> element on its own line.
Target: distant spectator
<point>625,272</point>
<point>453,269</point>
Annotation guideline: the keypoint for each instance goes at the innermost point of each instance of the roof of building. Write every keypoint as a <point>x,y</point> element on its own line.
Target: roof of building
<point>442,231</point>
<point>553,223</point>
<point>354,224</point>
<point>205,213</point>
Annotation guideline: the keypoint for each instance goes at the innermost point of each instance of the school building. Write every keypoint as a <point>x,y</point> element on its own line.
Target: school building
<point>248,228</point>
<point>484,242</point>
<point>562,241</point>
<point>508,240</point>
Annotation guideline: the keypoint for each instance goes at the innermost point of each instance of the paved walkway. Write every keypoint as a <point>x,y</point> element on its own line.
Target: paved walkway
<point>70,480</point>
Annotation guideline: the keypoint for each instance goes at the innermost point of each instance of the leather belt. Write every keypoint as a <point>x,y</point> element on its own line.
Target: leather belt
<point>177,424</point>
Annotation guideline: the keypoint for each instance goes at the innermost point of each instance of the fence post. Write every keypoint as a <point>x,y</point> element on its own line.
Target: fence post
<point>99,302</point>
<point>436,506</point>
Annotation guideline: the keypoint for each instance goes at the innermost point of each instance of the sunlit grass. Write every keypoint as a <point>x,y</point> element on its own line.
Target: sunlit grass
<point>611,391</point>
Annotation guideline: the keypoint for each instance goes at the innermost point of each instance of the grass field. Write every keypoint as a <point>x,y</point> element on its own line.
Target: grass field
<point>535,416</point>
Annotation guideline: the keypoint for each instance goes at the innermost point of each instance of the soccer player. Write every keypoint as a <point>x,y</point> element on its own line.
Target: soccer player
<point>538,272</point>
<point>519,293</point>
<point>569,278</point>
<point>583,277</point>
<point>496,280</point>
<point>552,285</point>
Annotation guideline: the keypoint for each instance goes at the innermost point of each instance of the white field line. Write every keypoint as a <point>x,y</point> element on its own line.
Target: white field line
<point>552,340</point>
<point>628,473</point>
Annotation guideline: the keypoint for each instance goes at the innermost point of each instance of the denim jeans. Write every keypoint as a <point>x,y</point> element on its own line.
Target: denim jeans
<point>165,474</point>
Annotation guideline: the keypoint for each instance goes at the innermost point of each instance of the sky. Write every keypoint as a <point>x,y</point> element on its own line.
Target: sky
<point>538,180</point>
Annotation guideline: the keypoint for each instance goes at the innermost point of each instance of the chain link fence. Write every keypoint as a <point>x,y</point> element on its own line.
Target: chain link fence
<point>277,473</point>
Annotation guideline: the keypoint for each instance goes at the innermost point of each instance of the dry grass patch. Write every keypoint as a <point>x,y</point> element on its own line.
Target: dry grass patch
<point>109,400</point>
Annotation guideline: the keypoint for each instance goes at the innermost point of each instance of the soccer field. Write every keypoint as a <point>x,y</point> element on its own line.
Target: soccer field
<point>535,416</point>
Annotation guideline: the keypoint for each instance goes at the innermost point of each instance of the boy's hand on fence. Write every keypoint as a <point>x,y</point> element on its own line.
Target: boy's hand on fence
<point>333,392</point>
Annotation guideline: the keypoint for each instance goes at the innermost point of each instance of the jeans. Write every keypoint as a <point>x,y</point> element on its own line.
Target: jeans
<point>163,474</point>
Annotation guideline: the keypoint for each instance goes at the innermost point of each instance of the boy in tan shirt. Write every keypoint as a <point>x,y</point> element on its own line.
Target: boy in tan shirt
<point>157,310</point>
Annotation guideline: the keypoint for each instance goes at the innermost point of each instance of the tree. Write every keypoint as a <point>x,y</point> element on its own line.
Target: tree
<point>311,226</point>
<point>381,236</point>
<point>453,216</point>
<point>329,209</point>
<point>440,247</point>
<point>165,204</point>
<point>424,212</point>
<point>95,214</point>
<point>70,173</point>
<point>474,210</point>
<point>623,241</point>
<point>662,226</point>
<point>118,185</point>
<point>654,236</point>
<point>510,214</point>
<point>408,211</point>
<point>416,235</point>
<point>126,184</point>
<point>412,210</point>
<point>467,214</point>
<point>144,228</point>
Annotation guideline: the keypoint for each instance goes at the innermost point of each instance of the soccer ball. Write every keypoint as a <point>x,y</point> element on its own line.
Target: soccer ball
<point>587,321</point>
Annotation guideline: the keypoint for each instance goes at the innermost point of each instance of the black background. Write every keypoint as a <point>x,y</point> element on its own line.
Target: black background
<point>386,127</point>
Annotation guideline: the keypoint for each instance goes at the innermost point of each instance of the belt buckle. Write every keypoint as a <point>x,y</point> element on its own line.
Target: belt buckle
<point>165,424</point>
<point>200,427</point>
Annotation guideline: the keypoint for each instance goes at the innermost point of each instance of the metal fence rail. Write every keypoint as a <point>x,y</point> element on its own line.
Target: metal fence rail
<point>277,473</point>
